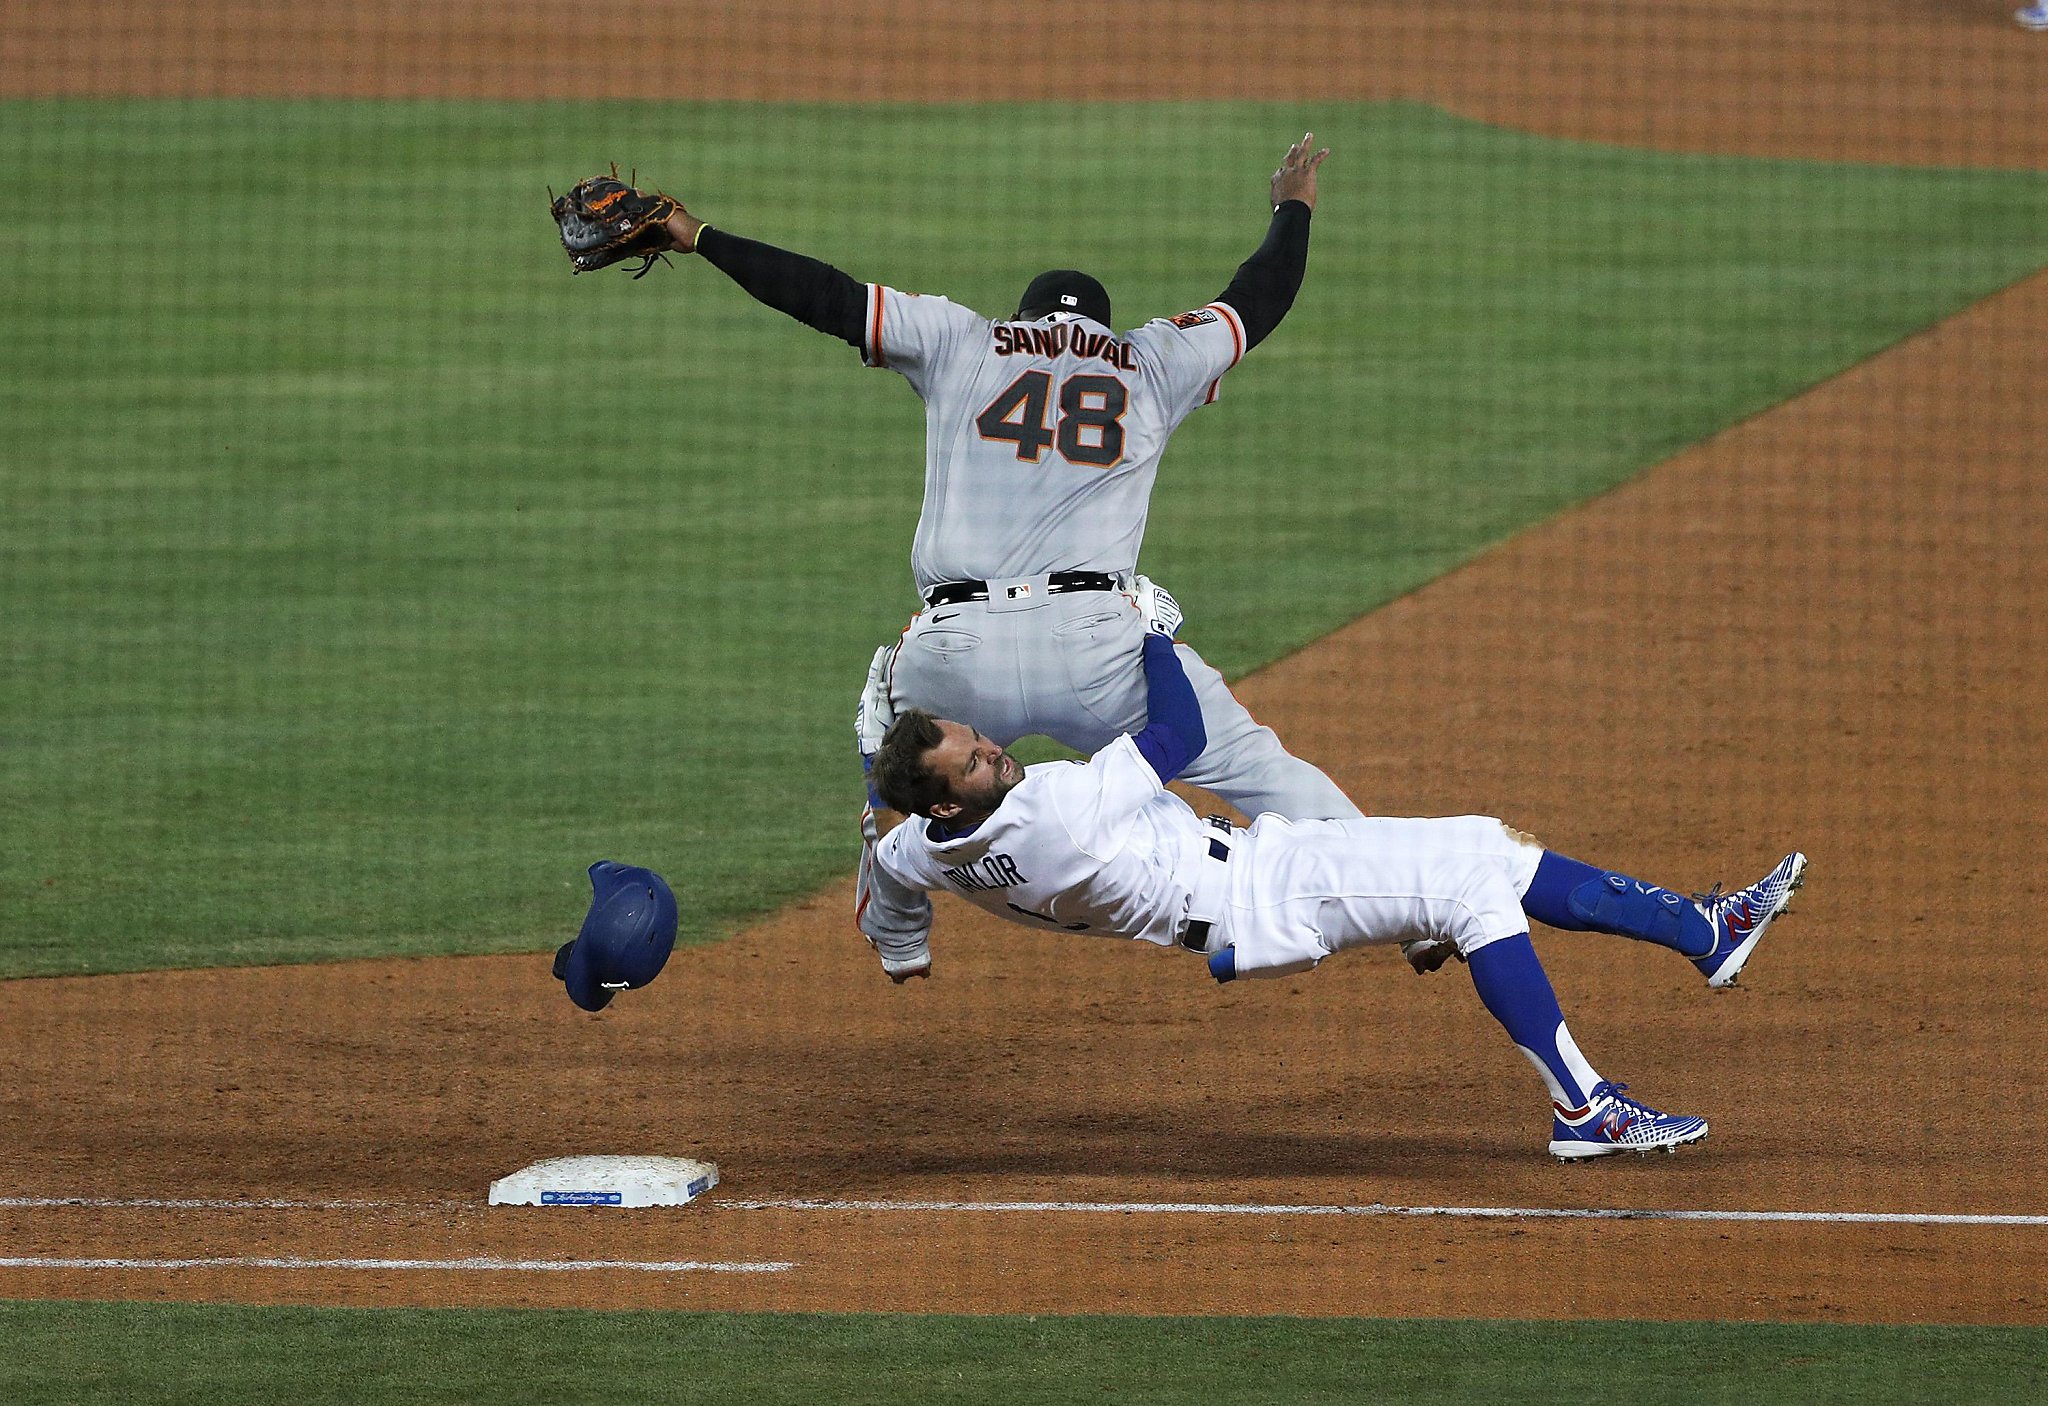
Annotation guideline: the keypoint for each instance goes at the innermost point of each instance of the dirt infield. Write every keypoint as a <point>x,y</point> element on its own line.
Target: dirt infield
<point>1940,82</point>
<point>1819,629</point>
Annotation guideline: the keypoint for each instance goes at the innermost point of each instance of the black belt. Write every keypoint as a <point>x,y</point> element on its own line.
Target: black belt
<point>1195,936</point>
<point>1059,583</point>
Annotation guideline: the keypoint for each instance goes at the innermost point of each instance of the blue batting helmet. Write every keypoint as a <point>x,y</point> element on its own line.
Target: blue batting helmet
<point>626,937</point>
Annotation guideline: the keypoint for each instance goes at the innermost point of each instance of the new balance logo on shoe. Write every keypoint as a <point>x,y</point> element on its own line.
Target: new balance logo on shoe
<point>1613,1122</point>
<point>1739,918</point>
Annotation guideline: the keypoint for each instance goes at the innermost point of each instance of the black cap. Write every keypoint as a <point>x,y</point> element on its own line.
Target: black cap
<point>1064,290</point>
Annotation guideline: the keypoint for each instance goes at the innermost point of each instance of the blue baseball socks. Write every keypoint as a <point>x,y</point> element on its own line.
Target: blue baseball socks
<point>1579,898</point>
<point>1514,987</point>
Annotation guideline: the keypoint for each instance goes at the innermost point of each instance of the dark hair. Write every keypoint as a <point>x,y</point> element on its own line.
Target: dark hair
<point>900,776</point>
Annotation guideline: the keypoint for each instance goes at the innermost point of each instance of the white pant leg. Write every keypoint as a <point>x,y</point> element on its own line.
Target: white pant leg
<point>1310,888</point>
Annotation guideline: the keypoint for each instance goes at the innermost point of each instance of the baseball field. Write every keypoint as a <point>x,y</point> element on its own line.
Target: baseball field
<point>1654,458</point>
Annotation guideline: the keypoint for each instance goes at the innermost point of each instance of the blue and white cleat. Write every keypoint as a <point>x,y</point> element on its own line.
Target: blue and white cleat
<point>1612,1122</point>
<point>1740,918</point>
<point>2033,17</point>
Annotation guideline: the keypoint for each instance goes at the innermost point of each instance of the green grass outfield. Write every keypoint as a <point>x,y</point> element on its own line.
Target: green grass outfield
<point>165,1353</point>
<point>363,577</point>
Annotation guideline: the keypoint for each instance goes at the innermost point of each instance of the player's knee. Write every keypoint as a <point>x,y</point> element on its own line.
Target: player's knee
<point>1478,938</point>
<point>1520,839</point>
<point>1486,911</point>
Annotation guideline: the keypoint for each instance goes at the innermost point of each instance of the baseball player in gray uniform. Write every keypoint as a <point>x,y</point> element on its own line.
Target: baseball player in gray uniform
<point>1102,847</point>
<point>1043,437</point>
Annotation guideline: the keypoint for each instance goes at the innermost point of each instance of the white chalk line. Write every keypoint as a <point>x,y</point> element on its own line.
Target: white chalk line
<point>1157,1208</point>
<point>471,1265</point>
<point>1126,1208</point>
<point>191,1203</point>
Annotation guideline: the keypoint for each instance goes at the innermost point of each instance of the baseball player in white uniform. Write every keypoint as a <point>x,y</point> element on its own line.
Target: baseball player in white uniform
<point>1043,438</point>
<point>1102,847</point>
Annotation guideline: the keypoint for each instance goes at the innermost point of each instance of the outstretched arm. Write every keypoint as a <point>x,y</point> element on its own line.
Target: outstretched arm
<point>812,292</point>
<point>1265,285</point>
<point>895,918</point>
<point>1174,734</point>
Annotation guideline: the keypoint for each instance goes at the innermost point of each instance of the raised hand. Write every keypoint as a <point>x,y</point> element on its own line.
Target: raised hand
<point>1296,178</point>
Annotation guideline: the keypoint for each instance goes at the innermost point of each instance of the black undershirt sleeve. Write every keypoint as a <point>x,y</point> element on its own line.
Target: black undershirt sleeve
<point>814,293</point>
<point>1266,283</point>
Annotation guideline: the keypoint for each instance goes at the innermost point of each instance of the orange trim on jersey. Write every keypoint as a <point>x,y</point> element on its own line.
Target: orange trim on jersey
<point>876,355</point>
<point>1236,331</point>
<point>1236,326</point>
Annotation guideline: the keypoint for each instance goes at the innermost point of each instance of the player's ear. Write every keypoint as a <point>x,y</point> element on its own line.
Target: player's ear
<point>943,810</point>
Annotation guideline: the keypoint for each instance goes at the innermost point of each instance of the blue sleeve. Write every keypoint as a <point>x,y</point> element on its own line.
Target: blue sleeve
<point>1173,735</point>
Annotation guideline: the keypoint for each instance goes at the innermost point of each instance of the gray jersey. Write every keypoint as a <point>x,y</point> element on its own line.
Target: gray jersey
<point>1042,439</point>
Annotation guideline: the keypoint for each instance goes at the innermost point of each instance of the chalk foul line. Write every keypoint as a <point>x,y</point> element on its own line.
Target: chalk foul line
<point>469,1265</point>
<point>1227,1208</point>
<point>195,1203</point>
<point>1124,1208</point>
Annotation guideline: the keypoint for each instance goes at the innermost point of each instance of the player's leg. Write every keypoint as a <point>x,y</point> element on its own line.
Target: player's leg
<point>1084,683</point>
<point>1590,1116</point>
<point>1322,886</point>
<point>1462,877</point>
<point>1245,762</point>
<point>1715,932</point>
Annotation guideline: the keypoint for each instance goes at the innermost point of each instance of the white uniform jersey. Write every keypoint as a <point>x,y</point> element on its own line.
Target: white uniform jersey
<point>1042,439</point>
<point>1097,847</point>
<point>1102,848</point>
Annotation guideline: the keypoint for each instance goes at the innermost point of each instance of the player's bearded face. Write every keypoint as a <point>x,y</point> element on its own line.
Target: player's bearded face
<point>977,772</point>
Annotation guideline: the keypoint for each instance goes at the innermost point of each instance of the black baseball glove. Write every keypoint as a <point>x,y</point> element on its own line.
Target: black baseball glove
<point>604,221</point>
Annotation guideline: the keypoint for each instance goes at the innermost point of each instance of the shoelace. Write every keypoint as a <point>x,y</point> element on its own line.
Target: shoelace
<point>1613,1091</point>
<point>1754,893</point>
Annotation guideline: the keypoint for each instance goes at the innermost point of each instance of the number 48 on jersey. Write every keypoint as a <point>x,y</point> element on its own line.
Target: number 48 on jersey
<point>1088,428</point>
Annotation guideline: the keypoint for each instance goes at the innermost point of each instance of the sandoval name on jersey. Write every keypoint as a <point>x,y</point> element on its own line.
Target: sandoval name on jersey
<point>1042,439</point>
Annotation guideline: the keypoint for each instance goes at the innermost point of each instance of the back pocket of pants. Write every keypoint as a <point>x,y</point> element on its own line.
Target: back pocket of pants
<point>946,642</point>
<point>1099,653</point>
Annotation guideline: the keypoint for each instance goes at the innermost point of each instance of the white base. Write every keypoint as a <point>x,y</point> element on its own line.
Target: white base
<point>606,1181</point>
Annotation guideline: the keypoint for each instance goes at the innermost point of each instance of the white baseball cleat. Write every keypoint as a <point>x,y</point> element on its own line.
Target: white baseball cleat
<point>1613,1122</point>
<point>1740,918</point>
<point>2033,17</point>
